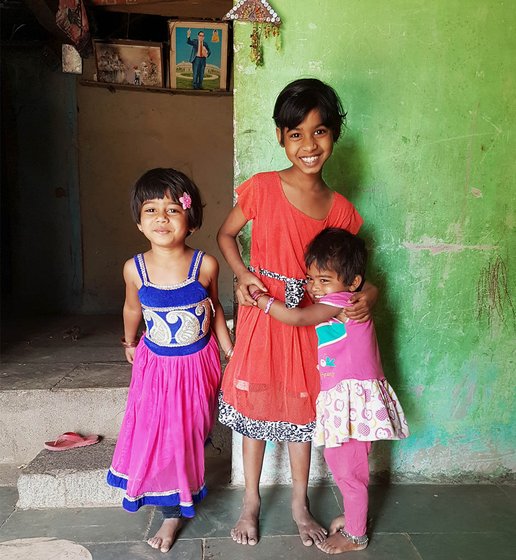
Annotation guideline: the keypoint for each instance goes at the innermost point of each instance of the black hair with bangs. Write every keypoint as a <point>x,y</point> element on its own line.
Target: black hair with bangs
<point>338,250</point>
<point>300,97</point>
<point>159,182</point>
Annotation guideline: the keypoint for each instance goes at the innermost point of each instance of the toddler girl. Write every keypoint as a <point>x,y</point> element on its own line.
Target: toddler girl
<point>159,455</point>
<point>356,404</point>
<point>271,384</point>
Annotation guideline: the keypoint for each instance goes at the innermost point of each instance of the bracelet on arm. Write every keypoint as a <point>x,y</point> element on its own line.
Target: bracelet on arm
<point>266,294</point>
<point>257,293</point>
<point>268,306</point>
<point>126,344</point>
<point>229,353</point>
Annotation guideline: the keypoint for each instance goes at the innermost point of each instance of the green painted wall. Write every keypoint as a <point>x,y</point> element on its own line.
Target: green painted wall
<point>429,160</point>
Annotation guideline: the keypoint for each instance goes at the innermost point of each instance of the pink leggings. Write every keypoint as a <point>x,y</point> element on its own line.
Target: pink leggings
<point>350,468</point>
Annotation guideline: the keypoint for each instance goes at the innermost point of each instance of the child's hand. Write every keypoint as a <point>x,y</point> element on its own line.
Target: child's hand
<point>362,305</point>
<point>247,283</point>
<point>129,354</point>
<point>253,288</point>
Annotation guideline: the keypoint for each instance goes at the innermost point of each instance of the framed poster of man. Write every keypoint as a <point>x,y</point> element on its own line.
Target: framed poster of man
<point>198,55</point>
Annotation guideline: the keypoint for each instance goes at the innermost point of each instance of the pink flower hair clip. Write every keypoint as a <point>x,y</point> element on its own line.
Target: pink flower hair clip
<point>185,200</point>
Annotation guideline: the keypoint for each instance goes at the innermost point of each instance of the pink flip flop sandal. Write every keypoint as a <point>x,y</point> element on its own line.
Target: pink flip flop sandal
<point>69,440</point>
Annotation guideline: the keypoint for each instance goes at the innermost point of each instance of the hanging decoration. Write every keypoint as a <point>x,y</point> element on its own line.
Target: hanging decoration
<point>72,19</point>
<point>265,20</point>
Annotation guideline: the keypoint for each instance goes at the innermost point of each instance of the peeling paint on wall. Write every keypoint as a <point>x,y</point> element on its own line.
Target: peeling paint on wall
<point>494,299</point>
<point>435,247</point>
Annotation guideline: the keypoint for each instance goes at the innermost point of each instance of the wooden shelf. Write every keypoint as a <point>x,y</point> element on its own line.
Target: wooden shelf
<point>128,87</point>
<point>182,9</point>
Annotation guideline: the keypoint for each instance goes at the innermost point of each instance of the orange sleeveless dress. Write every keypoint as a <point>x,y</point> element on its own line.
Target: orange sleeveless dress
<point>271,384</point>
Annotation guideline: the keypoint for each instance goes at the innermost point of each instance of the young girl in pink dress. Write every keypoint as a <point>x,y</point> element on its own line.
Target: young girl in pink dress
<point>270,386</point>
<point>159,455</point>
<point>356,404</point>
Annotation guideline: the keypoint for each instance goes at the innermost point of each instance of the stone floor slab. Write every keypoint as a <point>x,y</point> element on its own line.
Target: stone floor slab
<point>276,513</point>
<point>470,546</point>
<point>441,518</point>
<point>423,508</point>
<point>73,354</point>
<point>55,330</point>
<point>183,550</point>
<point>97,375</point>
<point>94,525</point>
<point>16,376</point>
<point>384,547</point>
<point>510,491</point>
<point>220,510</point>
<point>9,473</point>
<point>8,498</point>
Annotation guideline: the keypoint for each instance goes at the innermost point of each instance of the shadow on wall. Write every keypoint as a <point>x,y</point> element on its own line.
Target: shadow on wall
<point>345,169</point>
<point>345,174</point>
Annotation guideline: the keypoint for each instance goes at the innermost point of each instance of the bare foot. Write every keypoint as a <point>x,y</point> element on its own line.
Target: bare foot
<point>165,537</point>
<point>337,524</point>
<point>309,530</point>
<point>337,543</point>
<point>246,529</point>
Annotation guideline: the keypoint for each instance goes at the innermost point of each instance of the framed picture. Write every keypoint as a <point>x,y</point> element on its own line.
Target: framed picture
<point>129,63</point>
<point>198,55</point>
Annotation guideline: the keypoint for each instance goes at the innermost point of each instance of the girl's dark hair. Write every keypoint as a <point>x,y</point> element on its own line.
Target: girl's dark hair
<point>158,182</point>
<point>340,251</point>
<point>302,96</point>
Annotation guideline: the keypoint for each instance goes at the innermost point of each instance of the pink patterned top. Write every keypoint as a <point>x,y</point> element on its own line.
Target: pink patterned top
<point>356,401</point>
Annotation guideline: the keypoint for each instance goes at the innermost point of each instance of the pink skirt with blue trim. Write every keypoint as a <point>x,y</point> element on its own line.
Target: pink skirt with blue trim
<point>159,455</point>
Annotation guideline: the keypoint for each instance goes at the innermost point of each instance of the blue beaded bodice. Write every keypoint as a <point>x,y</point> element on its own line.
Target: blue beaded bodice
<point>177,317</point>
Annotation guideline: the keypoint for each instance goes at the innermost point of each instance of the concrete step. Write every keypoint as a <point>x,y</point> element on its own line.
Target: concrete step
<point>64,374</point>
<point>59,374</point>
<point>69,479</point>
<point>77,477</point>
<point>87,398</point>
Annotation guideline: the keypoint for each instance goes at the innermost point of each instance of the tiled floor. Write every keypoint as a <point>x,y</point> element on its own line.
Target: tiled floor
<point>407,522</point>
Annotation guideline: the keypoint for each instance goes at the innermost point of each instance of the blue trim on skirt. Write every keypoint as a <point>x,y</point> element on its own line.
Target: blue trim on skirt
<point>146,500</point>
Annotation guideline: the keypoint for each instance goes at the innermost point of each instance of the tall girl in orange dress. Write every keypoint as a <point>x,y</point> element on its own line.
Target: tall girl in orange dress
<point>271,384</point>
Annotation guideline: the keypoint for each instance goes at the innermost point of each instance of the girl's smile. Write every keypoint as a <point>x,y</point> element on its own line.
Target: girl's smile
<point>163,221</point>
<point>323,282</point>
<point>309,145</point>
<point>310,160</point>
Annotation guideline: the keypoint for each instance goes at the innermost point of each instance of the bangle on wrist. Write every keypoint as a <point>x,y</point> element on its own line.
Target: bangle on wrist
<point>266,294</point>
<point>229,353</point>
<point>126,344</point>
<point>257,293</point>
<point>268,306</point>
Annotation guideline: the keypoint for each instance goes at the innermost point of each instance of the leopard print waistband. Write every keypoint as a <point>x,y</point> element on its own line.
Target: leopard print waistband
<point>294,287</point>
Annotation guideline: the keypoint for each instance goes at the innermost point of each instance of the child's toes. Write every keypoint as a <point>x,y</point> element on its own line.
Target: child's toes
<point>166,545</point>
<point>319,535</point>
<point>154,542</point>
